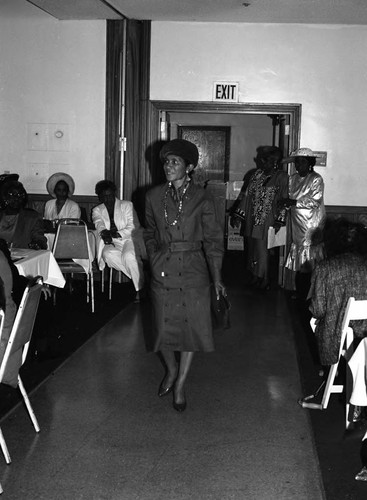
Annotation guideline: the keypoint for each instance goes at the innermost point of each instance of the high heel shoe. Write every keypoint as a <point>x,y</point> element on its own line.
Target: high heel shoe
<point>180,407</point>
<point>163,391</point>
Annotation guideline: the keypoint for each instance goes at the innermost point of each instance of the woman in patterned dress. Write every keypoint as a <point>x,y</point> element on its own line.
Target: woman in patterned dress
<point>258,209</point>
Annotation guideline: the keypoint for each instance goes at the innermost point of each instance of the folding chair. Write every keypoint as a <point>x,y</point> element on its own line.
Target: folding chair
<point>72,252</point>
<point>2,439</point>
<point>1,321</point>
<point>355,310</point>
<point>17,349</point>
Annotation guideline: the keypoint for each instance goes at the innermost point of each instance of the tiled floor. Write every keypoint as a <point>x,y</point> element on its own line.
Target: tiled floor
<point>106,435</point>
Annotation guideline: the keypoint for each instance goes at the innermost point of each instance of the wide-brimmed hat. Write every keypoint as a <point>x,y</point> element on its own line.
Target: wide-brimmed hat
<point>180,147</point>
<point>300,152</point>
<point>55,178</point>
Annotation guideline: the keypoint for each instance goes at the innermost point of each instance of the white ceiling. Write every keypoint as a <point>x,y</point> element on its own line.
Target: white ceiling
<point>242,11</point>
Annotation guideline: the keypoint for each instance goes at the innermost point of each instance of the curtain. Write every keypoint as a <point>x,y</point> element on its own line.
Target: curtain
<point>136,175</point>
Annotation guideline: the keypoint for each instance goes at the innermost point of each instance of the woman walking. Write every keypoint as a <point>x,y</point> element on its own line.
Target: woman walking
<point>184,243</point>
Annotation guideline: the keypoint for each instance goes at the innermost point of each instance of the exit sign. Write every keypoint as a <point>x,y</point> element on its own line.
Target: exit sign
<point>225,91</point>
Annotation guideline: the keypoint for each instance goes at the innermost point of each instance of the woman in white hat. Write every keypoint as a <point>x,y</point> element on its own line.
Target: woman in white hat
<point>307,219</point>
<point>61,186</point>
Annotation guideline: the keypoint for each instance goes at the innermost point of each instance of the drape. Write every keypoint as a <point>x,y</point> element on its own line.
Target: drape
<point>136,175</point>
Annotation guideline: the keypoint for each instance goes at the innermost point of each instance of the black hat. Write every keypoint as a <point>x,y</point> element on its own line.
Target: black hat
<point>8,177</point>
<point>4,178</point>
<point>180,147</point>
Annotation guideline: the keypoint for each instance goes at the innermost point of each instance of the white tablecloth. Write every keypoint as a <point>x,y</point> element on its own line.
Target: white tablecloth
<point>31,263</point>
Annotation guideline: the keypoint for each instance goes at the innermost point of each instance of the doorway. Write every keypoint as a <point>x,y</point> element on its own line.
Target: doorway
<point>266,124</point>
<point>283,128</point>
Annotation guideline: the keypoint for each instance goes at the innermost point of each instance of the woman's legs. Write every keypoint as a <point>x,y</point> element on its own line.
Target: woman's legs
<point>176,377</point>
<point>184,367</point>
<point>171,365</point>
<point>258,263</point>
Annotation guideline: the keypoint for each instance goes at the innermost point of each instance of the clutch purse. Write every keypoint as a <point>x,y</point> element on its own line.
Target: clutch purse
<point>220,311</point>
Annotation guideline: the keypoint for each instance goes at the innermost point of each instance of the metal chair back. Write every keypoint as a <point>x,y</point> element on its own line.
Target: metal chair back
<point>71,241</point>
<point>17,348</point>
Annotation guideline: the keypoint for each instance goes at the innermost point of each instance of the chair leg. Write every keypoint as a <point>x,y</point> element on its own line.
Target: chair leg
<point>102,280</point>
<point>4,448</point>
<point>88,288</point>
<point>330,387</point>
<point>28,405</point>
<point>92,290</point>
<point>110,285</point>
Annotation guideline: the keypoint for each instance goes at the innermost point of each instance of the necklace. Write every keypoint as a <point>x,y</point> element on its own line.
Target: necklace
<point>180,203</point>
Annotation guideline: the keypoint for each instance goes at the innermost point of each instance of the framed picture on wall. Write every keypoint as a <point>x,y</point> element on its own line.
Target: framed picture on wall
<point>213,144</point>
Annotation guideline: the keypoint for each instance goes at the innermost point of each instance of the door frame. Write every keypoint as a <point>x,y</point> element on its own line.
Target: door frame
<point>157,108</point>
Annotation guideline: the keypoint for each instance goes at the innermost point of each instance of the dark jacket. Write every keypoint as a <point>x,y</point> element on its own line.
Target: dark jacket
<point>29,228</point>
<point>333,281</point>
<point>182,259</point>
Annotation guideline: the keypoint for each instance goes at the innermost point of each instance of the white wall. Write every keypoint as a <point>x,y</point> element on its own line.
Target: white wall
<point>51,72</point>
<point>324,68</point>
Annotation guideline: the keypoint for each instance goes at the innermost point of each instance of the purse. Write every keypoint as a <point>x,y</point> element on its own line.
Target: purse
<point>220,310</point>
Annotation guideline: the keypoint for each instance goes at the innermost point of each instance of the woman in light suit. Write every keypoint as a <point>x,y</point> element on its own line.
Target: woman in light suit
<point>120,245</point>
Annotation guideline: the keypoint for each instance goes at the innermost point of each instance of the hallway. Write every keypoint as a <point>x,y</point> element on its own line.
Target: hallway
<point>106,435</point>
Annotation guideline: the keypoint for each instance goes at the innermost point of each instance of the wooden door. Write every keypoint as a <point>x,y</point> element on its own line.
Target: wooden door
<point>213,145</point>
<point>212,170</point>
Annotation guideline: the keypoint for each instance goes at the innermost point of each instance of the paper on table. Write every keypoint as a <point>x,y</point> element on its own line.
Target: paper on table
<point>277,239</point>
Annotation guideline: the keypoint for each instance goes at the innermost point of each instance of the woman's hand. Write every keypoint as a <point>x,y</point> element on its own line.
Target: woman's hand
<point>220,289</point>
<point>277,226</point>
<point>115,234</point>
<point>34,245</point>
<point>286,203</point>
<point>106,237</point>
<point>235,221</point>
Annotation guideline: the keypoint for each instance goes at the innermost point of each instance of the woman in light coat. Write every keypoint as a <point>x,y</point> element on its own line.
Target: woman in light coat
<point>120,236</point>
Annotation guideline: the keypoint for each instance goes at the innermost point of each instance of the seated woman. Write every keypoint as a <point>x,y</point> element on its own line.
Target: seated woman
<point>60,186</point>
<point>21,227</point>
<point>341,275</point>
<point>118,227</point>
<point>19,282</point>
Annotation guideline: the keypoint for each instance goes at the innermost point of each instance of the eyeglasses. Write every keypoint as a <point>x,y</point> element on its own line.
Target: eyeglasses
<point>15,195</point>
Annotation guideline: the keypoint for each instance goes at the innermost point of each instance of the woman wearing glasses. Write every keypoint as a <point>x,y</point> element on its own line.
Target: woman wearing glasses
<point>21,227</point>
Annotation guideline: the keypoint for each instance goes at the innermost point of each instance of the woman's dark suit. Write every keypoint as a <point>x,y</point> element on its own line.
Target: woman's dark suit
<point>182,257</point>
<point>29,228</point>
<point>333,281</point>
